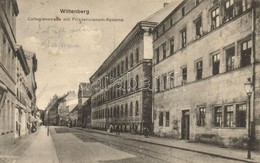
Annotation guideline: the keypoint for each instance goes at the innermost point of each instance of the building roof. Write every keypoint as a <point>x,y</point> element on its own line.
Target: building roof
<point>161,14</point>
<point>22,59</point>
<point>73,107</point>
<point>150,21</point>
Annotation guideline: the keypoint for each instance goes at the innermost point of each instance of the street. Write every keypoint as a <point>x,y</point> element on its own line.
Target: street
<point>73,145</point>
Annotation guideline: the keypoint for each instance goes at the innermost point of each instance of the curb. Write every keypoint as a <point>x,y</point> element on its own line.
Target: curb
<point>176,147</point>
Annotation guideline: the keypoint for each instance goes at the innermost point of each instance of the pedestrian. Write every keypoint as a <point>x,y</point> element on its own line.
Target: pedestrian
<point>117,130</point>
<point>146,132</point>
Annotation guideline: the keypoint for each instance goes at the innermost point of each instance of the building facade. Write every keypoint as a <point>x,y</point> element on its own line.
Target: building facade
<point>8,12</point>
<point>84,93</point>
<point>23,101</point>
<point>65,107</point>
<point>204,52</point>
<point>121,86</point>
<point>86,107</point>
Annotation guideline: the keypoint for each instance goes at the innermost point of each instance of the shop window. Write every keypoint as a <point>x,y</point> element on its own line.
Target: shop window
<point>218,116</point>
<point>229,116</point>
<point>201,119</point>
<point>241,115</point>
<point>246,47</point>
<point>230,61</point>
<point>215,64</point>
<point>199,69</point>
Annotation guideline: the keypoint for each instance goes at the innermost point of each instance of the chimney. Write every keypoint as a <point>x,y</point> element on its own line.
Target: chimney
<point>165,4</point>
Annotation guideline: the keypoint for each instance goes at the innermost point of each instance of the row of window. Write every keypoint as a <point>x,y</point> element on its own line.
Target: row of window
<point>230,9</point>
<point>119,89</point>
<point>245,60</point>
<point>117,112</point>
<point>120,69</point>
<point>227,116</point>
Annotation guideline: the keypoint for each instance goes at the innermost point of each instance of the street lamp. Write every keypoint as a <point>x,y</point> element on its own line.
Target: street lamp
<point>249,89</point>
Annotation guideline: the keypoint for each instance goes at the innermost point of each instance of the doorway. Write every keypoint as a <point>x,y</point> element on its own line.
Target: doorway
<point>185,125</point>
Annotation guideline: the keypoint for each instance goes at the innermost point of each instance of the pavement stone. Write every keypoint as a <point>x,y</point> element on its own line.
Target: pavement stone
<point>228,153</point>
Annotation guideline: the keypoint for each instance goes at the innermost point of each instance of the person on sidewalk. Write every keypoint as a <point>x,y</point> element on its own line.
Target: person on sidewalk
<point>146,132</point>
<point>117,130</point>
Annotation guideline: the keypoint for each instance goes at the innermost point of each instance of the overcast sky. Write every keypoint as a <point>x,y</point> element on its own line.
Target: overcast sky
<point>61,68</point>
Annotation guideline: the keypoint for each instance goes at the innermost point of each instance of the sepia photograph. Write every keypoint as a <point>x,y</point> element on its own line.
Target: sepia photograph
<point>119,81</point>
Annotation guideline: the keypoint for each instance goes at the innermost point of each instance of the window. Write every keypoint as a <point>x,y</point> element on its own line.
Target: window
<point>131,109</point>
<point>246,53</point>
<point>198,27</point>
<point>230,61</point>
<point>122,111</point>
<point>126,87</point>
<point>137,55</point>
<point>243,5</point>
<point>171,80</point>
<point>241,115</point>
<point>199,69</point>
<point>201,119</point>
<point>137,82</point>
<point>229,116</point>
<point>215,18</point>
<point>183,11</point>
<point>229,10</point>
<point>160,118</point>
<point>184,74</point>
<point>215,64</point>
<point>158,84</point>
<point>118,70</point>
<point>136,108</point>
<point>183,38</point>
<point>122,67</point>
<point>164,81</point>
<point>131,60</point>
<point>218,116</point>
<point>126,63</point>
<point>126,110</point>
<point>164,50</point>
<point>167,119</point>
<point>171,46</point>
<point>157,55</point>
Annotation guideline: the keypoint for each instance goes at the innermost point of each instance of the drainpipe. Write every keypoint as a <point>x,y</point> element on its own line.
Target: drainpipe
<point>253,66</point>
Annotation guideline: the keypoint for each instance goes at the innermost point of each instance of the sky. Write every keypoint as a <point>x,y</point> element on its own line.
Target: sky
<point>69,52</point>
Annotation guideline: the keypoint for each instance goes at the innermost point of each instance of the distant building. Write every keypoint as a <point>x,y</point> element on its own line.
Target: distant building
<point>66,106</point>
<point>73,116</point>
<point>86,107</point>
<point>84,93</point>
<point>203,55</point>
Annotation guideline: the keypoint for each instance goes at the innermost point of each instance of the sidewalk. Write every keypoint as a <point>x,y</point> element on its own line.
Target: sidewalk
<point>228,153</point>
<point>41,150</point>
